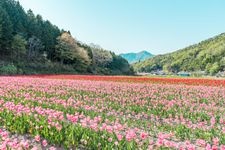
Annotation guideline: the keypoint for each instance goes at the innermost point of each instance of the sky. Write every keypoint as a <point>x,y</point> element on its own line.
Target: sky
<point>158,26</point>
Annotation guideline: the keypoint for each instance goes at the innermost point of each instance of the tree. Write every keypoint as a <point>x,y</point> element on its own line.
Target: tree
<point>49,36</point>
<point>19,46</point>
<point>16,15</point>
<point>167,68</point>
<point>83,61</point>
<point>35,47</point>
<point>20,19</point>
<point>68,52</point>
<point>31,24</point>
<point>6,32</point>
<point>101,57</point>
<point>119,66</point>
<point>66,48</point>
<point>214,69</point>
<point>1,20</point>
<point>222,63</point>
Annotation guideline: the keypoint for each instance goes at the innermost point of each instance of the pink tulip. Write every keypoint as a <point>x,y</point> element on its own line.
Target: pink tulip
<point>216,141</point>
<point>144,135</point>
<point>37,138</point>
<point>119,137</point>
<point>44,143</point>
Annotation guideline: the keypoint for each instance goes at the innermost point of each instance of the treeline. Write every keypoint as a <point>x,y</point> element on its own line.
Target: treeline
<point>207,56</point>
<point>31,45</point>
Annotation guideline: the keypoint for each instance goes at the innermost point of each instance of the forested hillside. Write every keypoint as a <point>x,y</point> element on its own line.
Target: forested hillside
<point>31,45</point>
<point>208,56</point>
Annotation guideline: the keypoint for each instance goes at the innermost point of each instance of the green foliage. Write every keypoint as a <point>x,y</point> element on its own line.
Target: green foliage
<point>222,63</point>
<point>66,48</point>
<point>6,32</point>
<point>19,47</point>
<point>1,19</point>
<point>68,52</point>
<point>214,68</point>
<point>206,56</point>
<point>9,69</point>
<point>105,62</point>
<point>120,66</point>
<point>47,68</point>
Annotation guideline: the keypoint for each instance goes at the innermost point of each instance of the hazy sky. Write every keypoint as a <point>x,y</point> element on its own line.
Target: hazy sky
<point>159,26</point>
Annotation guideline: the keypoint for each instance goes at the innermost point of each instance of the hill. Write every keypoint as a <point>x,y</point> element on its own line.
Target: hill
<point>31,45</point>
<point>136,57</point>
<point>208,56</point>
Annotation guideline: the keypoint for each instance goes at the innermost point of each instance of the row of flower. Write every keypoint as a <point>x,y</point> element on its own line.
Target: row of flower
<point>140,79</point>
<point>110,115</point>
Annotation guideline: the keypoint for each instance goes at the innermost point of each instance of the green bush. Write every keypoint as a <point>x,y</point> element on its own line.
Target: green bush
<point>9,69</point>
<point>47,68</point>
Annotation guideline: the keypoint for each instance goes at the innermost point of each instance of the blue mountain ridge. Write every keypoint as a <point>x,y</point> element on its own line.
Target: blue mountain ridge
<point>136,57</point>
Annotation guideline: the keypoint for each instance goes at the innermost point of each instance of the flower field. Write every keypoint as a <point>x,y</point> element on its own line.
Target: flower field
<point>96,112</point>
<point>187,81</point>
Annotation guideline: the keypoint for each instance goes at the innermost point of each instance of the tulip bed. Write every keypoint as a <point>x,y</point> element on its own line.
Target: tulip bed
<point>40,113</point>
<point>140,79</point>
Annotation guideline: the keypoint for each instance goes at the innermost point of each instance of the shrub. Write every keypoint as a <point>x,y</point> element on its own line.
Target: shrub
<point>9,69</point>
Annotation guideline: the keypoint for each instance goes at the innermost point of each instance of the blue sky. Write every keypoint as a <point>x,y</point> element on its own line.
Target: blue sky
<point>159,26</point>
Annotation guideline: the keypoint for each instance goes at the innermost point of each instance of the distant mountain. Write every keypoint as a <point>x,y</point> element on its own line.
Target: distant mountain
<point>136,57</point>
<point>208,56</point>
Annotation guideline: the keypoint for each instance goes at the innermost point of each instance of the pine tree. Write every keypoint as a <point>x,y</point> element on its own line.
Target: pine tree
<point>1,20</point>
<point>6,32</point>
<point>31,25</point>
